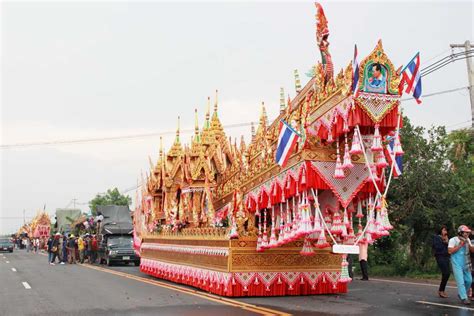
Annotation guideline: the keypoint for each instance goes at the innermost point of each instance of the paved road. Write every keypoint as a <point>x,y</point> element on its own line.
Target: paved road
<point>29,286</point>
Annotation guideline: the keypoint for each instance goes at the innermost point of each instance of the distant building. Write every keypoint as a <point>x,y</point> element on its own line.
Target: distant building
<point>64,218</point>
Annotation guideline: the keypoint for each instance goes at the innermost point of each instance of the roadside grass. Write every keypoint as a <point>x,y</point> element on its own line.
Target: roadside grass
<point>392,271</point>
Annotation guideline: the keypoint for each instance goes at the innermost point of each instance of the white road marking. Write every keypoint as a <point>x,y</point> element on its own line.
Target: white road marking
<point>13,269</point>
<point>412,283</point>
<point>7,261</point>
<point>446,305</point>
<point>26,285</point>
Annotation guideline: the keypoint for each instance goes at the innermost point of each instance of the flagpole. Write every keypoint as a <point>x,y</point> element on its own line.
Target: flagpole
<point>291,128</point>
<point>409,62</point>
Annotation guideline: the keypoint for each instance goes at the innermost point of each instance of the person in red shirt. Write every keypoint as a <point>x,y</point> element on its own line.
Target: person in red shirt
<point>94,248</point>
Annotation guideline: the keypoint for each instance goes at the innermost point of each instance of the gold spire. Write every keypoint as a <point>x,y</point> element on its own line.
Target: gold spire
<point>152,169</point>
<point>207,124</point>
<point>216,103</point>
<point>263,120</point>
<point>177,131</point>
<point>264,114</point>
<point>297,81</point>
<point>242,143</point>
<point>282,100</point>
<point>288,105</point>
<point>252,128</point>
<point>161,147</point>
<point>176,150</point>
<point>196,127</point>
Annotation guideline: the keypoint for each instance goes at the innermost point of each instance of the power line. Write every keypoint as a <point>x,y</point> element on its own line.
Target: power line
<point>461,56</point>
<point>113,138</point>
<point>138,136</point>
<point>438,93</point>
<point>446,60</point>
<point>460,123</point>
<point>436,56</point>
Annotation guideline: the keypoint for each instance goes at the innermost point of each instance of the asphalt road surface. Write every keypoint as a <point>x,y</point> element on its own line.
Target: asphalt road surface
<point>30,286</point>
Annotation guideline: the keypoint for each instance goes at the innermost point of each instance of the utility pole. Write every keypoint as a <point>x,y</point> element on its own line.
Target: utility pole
<point>470,75</point>
<point>74,202</point>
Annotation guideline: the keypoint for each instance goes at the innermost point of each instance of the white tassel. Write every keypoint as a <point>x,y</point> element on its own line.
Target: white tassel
<point>397,147</point>
<point>359,210</point>
<point>273,240</point>
<point>347,156</point>
<point>265,237</point>
<point>338,172</point>
<point>381,161</point>
<point>356,148</point>
<point>377,141</point>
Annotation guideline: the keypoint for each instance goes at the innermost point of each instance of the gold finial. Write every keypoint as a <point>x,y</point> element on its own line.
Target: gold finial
<point>207,124</point>
<point>282,100</point>
<point>263,116</point>
<point>288,105</point>
<point>152,167</point>
<point>161,147</point>
<point>243,147</point>
<point>297,81</point>
<point>252,128</point>
<point>197,137</point>
<point>196,126</point>
<point>177,131</point>
<point>216,102</point>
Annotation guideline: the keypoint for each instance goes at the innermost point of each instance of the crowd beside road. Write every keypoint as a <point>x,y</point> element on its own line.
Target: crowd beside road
<point>70,249</point>
<point>459,251</point>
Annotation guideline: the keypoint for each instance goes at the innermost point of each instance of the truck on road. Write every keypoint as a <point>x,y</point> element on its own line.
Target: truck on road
<point>115,235</point>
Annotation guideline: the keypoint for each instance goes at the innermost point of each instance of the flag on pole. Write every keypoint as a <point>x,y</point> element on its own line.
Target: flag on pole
<point>389,152</point>
<point>355,72</point>
<point>411,77</point>
<point>287,139</point>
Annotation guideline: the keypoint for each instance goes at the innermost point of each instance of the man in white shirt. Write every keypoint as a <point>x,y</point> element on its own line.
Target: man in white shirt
<point>459,248</point>
<point>363,261</point>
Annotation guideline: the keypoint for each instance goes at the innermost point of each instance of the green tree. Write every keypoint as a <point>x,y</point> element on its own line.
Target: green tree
<point>112,197</point>
<point>436,188</point>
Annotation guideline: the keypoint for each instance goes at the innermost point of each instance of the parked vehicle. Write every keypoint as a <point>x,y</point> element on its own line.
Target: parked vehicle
<point>115,236</point>
<point>6,244</point>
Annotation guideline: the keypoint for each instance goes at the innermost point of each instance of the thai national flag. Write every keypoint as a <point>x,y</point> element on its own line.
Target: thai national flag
<point>286,142</point>
<point>355,72</point>
<point>398,165</point>
<point>411,77</point>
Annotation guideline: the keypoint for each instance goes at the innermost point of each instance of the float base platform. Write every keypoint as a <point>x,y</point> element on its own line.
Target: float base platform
<point>234,268</point>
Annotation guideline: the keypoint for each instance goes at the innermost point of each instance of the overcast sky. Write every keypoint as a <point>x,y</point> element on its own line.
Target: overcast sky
<point>74,70</point>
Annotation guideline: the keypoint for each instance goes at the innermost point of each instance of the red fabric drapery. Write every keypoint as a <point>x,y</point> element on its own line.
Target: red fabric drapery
<point>357,116</point>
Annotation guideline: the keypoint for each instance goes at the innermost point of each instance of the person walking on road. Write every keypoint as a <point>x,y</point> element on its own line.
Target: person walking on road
<point>64,250</point>
<point>55,248</point>
<point>81,248</point>
<point>363,247</point>
<point>89,248</point>
<point>28,244</point>
<point>72,249</point>
<point>50,249</point>
<point>440,248</point>
<point>94,248</point>
<point>459,248</point>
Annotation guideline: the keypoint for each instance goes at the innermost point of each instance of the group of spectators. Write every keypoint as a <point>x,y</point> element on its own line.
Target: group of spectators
<point>458,252</point>
<point>30,244</point>
<point>70,249</point>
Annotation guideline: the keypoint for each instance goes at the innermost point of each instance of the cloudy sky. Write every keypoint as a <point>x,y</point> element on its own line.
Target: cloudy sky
<point>79,70</point>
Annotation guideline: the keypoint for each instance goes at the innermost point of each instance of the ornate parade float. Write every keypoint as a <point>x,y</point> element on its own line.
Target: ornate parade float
<point>41,226</point>
<point>270,218</point>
